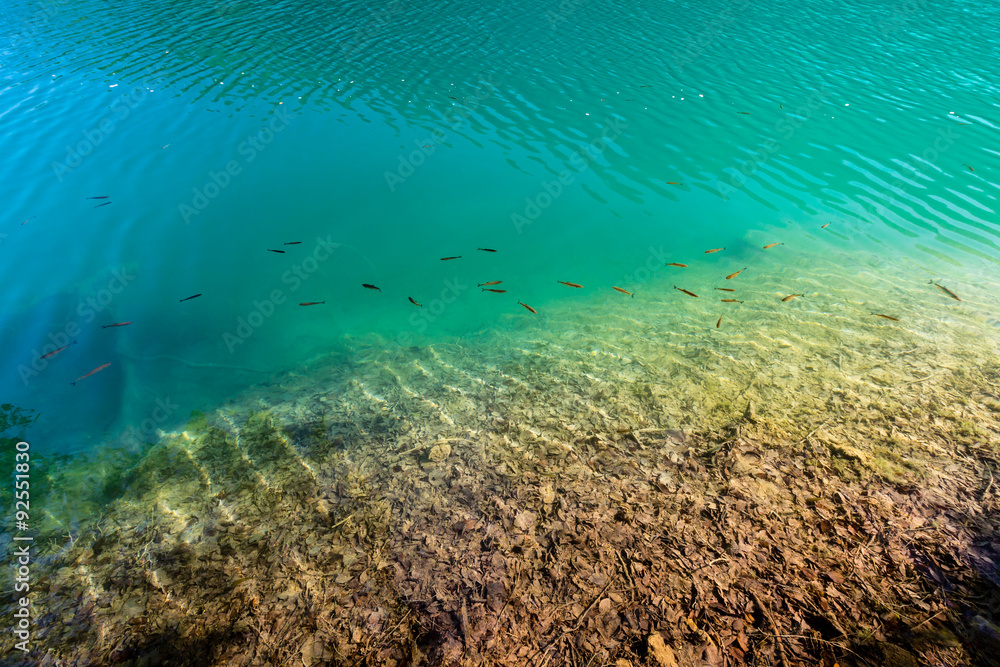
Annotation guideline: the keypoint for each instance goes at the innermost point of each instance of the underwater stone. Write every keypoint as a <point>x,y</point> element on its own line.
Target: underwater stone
<point>439,453</point>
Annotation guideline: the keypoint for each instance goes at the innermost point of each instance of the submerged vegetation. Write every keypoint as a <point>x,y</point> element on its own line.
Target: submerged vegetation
<point>599,492</point>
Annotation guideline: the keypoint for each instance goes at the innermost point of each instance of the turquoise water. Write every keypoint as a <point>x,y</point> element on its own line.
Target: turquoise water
<point>588,142</point>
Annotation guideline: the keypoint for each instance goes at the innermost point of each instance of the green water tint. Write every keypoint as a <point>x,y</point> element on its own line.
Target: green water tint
<point>605,361</point>
<point>246,489</point>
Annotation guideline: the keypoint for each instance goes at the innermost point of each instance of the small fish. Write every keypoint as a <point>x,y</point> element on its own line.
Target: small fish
<point>492,282</point>
<point>709,252</point>
<point>624,291</point>
<point>771,245</point>
<point>100,197</point>
<point>678,264</point>
<point>164,146</point>
<point>490,289</point>
<point>946,291</point>
<point>725,289</point>
<point>278,251</point>
<point>195,296</point>
<point>718,323</point>
<point>731,301</point>
<point>445,259</point>
<point>791,296</point>
<point>529,308</point>
<point>486,249</point>
<point>107,203</point>
<point>825,226</point>
<point>96,370</point>
<point>419,305</point>
<point>745,113</point>
<point>367,286</point>
<point>563,282</point>
<point>672,183</point>
<point>886,317</point>
<point>733,275</point>
<point>970,168</point>
<point>685,291</point>
<point>55,352</point>
<point>116,324</point>
<point>646,86</point>
<point>311,303</point>
<point>293,242</point>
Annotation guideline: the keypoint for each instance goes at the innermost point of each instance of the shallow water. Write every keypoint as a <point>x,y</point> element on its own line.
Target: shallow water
<point>586,142</point>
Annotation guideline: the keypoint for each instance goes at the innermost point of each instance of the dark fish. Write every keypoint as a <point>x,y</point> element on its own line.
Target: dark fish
<point>96,370</point>
<point>733,275</point>
<point>117,324</point>
<point>293,242</point>
<point>731,301</point>
<point>745,113</point>
<point>563,282</point>
<point>672,183</point>
<point>529,308</point>
<point>486,249</point>
<point>107,203</point>
<point>498,291</point>
<point>367,286</point>
<point>946,291</point>
<point>624,291</point>
<point>190,297</point>
<point>646,86</point>
<point>970,168</point>
<point>414,302</point>
<point>886,317</point>
<point>709,252</point>
<point>718,323</point>
<point>771,245</point>
<point>683,266</point>
<point>55,352</point>
<point>791,296</point>
<point>281,251</point>
<point>311,303</point>
<point>492,282</point>
<point>725,289</point>
<point>825,226</point>
<point>685,291</point>
<point>445,259</point>
<point>101,197</point>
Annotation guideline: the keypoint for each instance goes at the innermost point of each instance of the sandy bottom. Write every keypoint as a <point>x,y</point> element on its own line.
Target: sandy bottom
<point>620,483</point>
